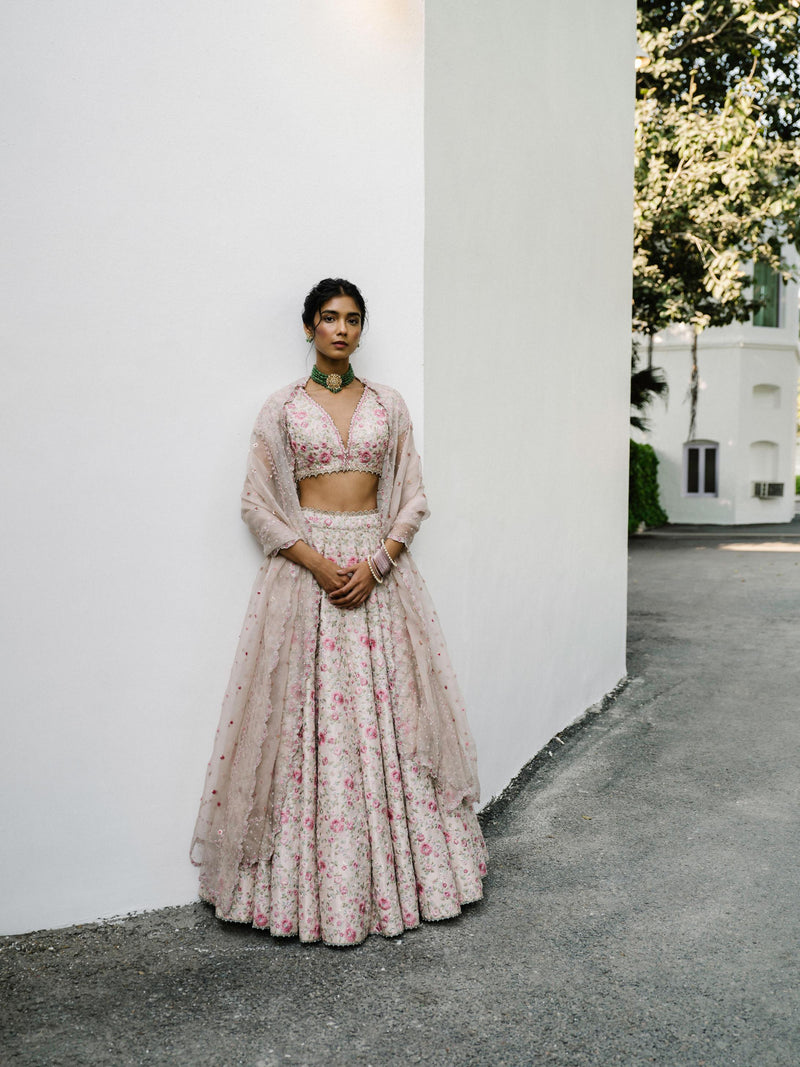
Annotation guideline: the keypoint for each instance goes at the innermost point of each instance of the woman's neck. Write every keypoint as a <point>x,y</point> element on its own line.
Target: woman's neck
<point>332,366</point>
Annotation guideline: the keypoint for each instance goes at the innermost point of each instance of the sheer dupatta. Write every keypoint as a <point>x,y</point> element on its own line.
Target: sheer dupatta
<point>278,643</point>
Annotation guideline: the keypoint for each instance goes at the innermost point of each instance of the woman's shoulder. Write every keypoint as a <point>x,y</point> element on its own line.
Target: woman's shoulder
<point>388,396</point>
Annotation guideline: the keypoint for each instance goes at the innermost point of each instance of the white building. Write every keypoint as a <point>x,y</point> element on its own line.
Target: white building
<point>739,465</point>
<point>178,174</point>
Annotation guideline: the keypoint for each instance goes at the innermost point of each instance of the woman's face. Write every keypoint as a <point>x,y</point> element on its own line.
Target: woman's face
<point>338,328</point>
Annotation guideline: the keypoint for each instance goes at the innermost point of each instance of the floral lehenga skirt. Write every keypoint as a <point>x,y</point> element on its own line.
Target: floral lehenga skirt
<point>359,840</point>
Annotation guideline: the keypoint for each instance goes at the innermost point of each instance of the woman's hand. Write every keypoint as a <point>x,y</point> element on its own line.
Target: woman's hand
<point>359,583</point>
<point>329,575</point>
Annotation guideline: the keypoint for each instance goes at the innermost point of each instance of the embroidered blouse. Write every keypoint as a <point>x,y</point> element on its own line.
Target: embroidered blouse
<point>317,446</point>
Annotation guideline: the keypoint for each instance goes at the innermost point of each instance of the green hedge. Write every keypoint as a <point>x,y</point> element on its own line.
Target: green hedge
<point>643,505</point>
<point>797,485</point>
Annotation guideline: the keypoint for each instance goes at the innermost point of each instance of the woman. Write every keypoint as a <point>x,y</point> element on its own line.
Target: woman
<point>338,800</point>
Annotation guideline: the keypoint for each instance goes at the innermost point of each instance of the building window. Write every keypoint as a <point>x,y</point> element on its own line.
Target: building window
<point>766,287</point>
<point>700,468</point>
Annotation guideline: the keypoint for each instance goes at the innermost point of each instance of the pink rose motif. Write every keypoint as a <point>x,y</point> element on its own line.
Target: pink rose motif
<point>338,698</point>
<point>364,456</point>
<point>321,865</point>
<point>324,457</point>
<point>259,919</point>
<point>308,822</point>
<point>383,904</point>
<point>329,643</point>
<point>321,737</point>
<point>381,695</point>
<point>432,805</point>
<point>396,776</point>
<point>284,817</point>
<point>482,867</point>
<point>350,934</point>
<point>371,732</point>
<point>349,783</point>
<point>426,849</point>
<point>286,926</point>
<point>337,825</point>
<point>447,836</point>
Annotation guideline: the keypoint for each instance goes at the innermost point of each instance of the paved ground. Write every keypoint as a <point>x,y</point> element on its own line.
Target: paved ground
<point>642,906</point>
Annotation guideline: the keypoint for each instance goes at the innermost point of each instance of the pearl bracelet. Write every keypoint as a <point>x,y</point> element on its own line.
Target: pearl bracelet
<point>373,572</point>
<point>386,550</point>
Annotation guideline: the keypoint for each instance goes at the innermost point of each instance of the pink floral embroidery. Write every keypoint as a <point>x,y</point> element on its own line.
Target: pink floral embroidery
<point>359,840</point>
<point>316,443</point>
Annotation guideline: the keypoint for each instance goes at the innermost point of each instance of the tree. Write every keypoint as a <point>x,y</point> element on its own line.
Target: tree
<point>647,383</point>
<point>717,160</point>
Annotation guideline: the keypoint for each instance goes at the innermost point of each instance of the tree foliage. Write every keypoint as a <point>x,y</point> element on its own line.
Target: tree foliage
<point>717,159</point>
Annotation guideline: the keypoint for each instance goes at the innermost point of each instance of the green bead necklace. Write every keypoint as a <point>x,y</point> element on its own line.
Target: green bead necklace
<point>333,382</point>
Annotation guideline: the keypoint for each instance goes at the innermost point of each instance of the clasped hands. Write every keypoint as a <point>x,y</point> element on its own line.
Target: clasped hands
<point>347,587</point>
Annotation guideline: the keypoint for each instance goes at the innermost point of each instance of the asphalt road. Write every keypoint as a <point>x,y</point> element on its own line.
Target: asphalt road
<point>642,906</point>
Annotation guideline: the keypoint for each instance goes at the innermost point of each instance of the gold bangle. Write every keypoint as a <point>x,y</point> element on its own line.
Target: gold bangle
<point>372,572</point>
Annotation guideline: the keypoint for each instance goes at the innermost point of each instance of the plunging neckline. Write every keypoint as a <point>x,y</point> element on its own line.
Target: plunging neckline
<point>345,445</point>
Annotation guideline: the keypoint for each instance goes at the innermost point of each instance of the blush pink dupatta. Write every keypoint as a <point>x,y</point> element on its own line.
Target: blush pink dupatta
<point>274,658</point>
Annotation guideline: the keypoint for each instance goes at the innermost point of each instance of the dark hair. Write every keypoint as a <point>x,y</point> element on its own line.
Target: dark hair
<point>326,290</point>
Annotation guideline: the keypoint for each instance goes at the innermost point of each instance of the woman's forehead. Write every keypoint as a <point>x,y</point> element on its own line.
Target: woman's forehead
<point>341,303</point>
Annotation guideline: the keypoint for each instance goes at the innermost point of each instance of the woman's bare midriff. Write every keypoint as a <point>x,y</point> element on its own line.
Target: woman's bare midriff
<point>342,491</point>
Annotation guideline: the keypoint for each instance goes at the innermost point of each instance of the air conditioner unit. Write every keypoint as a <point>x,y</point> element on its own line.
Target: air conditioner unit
<point>764,490</point>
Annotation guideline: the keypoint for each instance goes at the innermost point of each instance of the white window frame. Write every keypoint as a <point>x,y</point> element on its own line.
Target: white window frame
<point>703,447</point>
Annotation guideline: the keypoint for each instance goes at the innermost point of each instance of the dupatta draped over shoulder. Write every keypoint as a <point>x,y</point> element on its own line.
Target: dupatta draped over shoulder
<point>277,647</point>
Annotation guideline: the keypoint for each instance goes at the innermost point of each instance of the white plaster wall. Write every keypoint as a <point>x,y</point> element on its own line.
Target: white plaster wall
<point>731,362</point>
<point>529,129</point>
<point>731,359</point>
<point>776,424</point>
<point>176,175</point>
<point>718,414</point>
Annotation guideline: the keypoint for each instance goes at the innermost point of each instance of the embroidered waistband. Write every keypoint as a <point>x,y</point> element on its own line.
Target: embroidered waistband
<point>318,516</point>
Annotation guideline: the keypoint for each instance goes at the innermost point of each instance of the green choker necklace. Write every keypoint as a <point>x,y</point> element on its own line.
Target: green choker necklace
<point>333,382</point>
